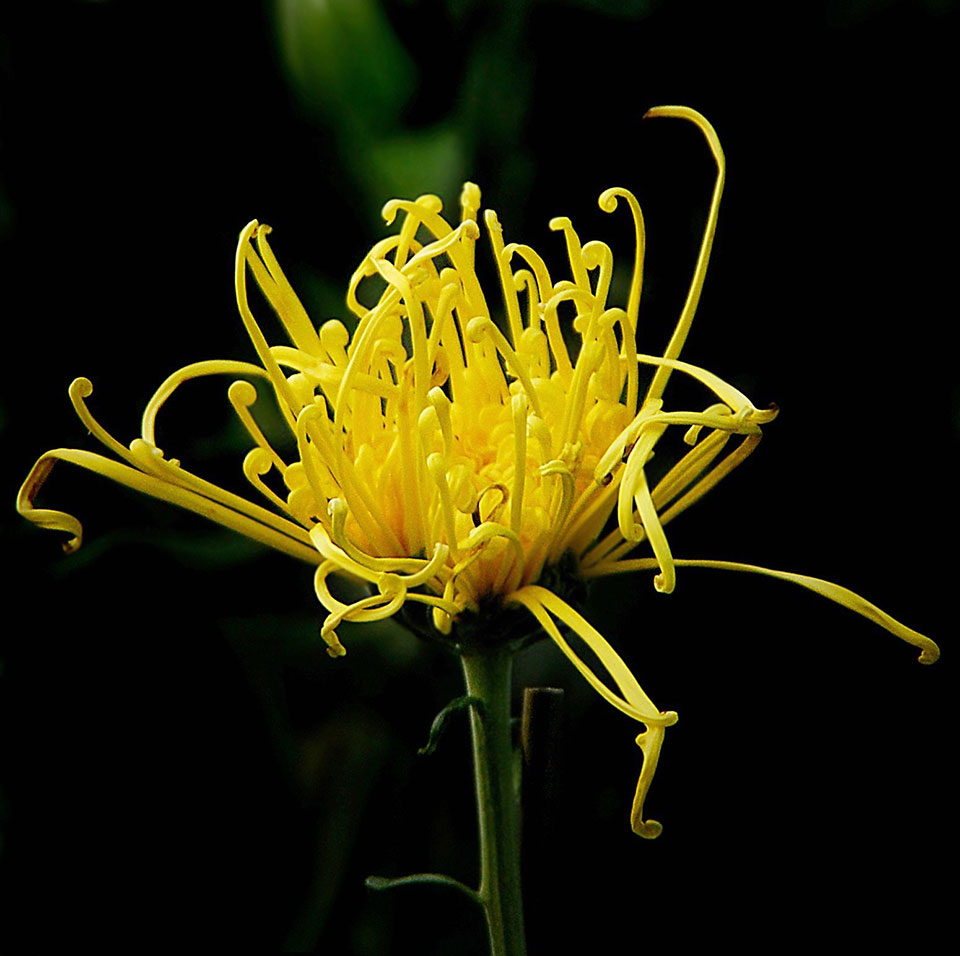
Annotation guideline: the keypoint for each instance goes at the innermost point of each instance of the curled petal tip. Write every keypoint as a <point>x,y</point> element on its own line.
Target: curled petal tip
<point>334,648</point>
<point>929,655</point>
<point>663,585</point>
<point>389,210</point>
<point>477,328</point>
<point>648,829</point>
<point>491,220</point>
<point>607,200</point>
<point>329,636</point>
<point>81,387</point>
<point>243,392</point>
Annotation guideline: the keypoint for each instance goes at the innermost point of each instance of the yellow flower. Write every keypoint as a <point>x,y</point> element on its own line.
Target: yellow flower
<point>452,464</point>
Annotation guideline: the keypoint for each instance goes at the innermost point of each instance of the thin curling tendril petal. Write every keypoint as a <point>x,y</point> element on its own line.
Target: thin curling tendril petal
<point>929,651</point>
<point>634,702</point>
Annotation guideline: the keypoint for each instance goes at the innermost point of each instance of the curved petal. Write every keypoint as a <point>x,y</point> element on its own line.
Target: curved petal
<point>156,488</point>
<point>634,702</point>
<point>929,651</point>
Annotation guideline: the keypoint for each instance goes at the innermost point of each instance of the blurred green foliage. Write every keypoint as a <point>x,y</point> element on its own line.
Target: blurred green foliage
<point>353,75</point>
<point>346,64</point>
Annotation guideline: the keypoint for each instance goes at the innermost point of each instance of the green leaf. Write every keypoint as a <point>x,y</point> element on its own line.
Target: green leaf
<point>417,879</point>
<point>440,721</point>
<point>431,160</point>
<point>345,61</point>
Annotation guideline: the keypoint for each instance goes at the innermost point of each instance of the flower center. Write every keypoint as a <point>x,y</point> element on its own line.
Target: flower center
<point>432,429</point>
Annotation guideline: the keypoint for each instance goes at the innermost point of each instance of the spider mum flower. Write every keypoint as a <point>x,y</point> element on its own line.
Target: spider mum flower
<point>459,463</point>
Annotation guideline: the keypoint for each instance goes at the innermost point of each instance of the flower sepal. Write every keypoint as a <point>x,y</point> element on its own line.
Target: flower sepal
<point>497,623</point>
<point>489,629</point>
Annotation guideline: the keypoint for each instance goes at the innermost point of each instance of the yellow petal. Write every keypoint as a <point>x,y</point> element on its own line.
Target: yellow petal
<point>634,702</point>
<point>833,592</point>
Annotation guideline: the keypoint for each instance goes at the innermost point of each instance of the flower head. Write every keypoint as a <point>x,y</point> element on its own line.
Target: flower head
<point>458,462</point>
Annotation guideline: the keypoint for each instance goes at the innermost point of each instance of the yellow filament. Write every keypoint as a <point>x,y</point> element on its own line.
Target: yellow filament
<point>749,416</point>
<point>151,461</point>
<point>588,516</point>
<point>443,312</point>
<point>833,592</point>
<point>524,280</point>
<point>414,517</point>
<point>256,464</point>
<point>734,459</point>
<point>598,255</point>
<point>469,201</point>
<point>629,350</point>
<point>681,475</point>
<point>657,423</point>
<point>635,484</point>
<point>334,337</point>
<point>422,570</point>
<point>441,229</point>
<point>284,300</point>
<point>489,531</point>
<point>185,374</point>
<point>726,392</point>
<point>587,363</point>
<point>608,203</point>
<point>329,376</point>
<point>374,608</point>
<point>495,232</point>
<point>286,540</point>
<point>289,405</point>
<point>441,407</point>
<point>574,250</point>
<point>558,347</point>
<point>519,406</point>
<point>703,258</point>
<point>480,328</point>
<point>411,223</point>
<point>437,466</point>
<point>307,447</point>
<point>559,515</point>
<point>80,389</point>
<point>418,329</point>
<point>242,396</point>
<point>537,265</point>
<point>689,467</point>
<point>633,702</point>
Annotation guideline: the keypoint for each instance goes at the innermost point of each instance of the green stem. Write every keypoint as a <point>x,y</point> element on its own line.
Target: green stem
<point>488,677</point>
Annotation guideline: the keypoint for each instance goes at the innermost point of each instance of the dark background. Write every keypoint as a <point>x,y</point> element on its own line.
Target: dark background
<point>182,763</point>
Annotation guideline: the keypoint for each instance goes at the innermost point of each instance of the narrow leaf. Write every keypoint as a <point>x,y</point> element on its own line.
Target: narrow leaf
<point>440,721</point>
<point>415,879</point>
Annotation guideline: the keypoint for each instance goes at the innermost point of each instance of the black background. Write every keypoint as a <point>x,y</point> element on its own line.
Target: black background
<point>183,765</point>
